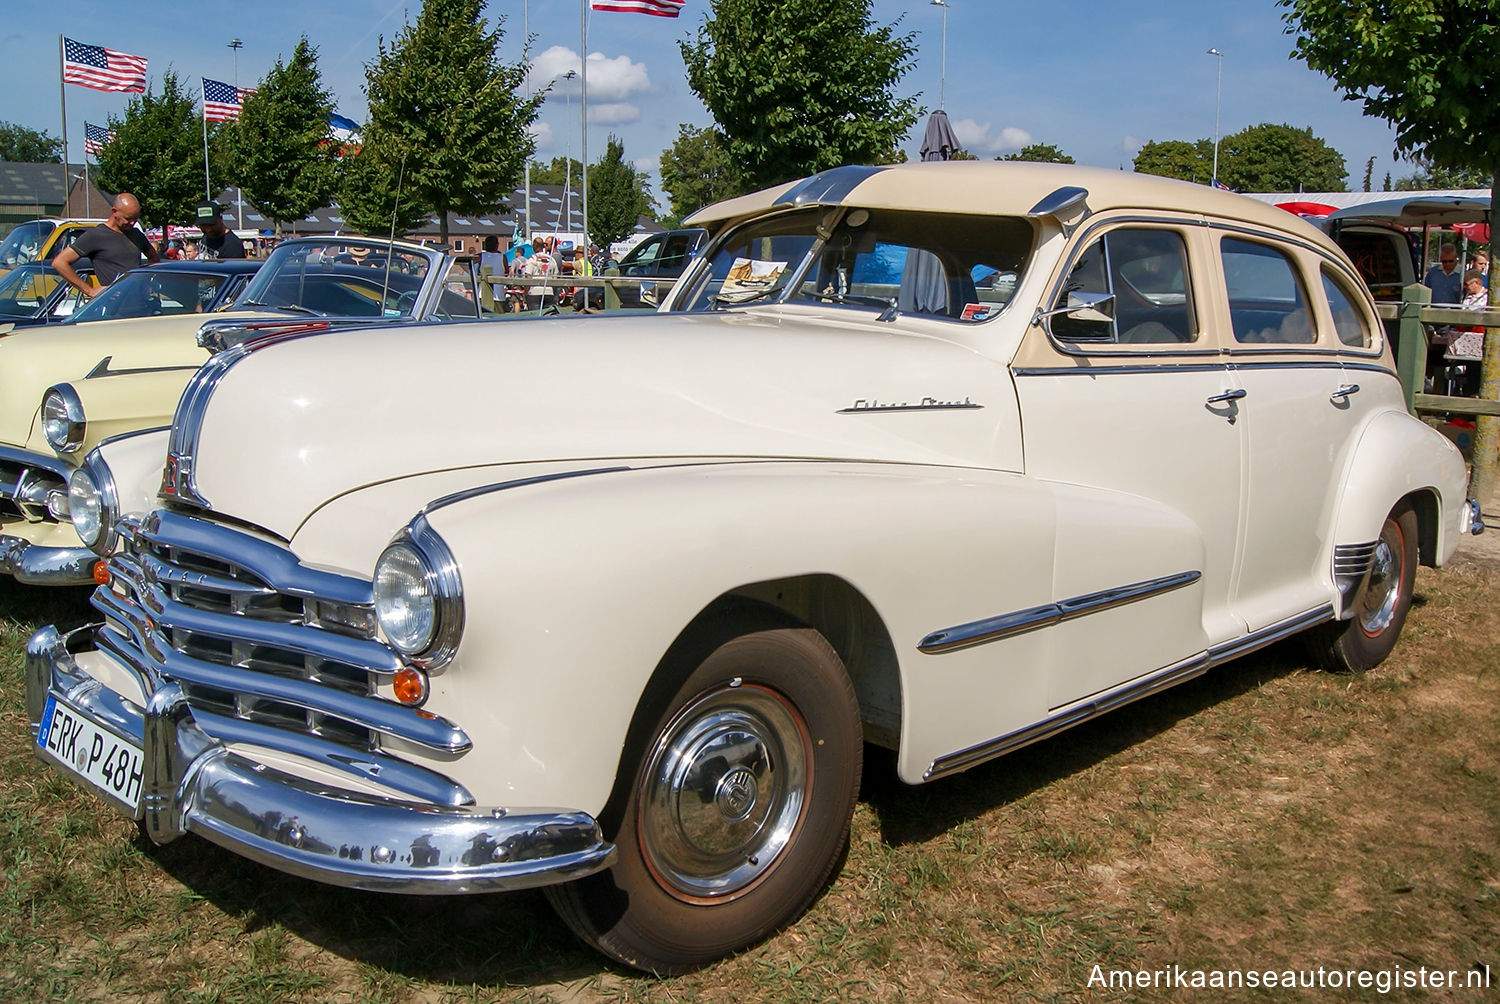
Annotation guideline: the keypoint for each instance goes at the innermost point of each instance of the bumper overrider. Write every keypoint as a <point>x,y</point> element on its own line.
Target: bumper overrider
<point>34,486</point>
<point>400,828</point>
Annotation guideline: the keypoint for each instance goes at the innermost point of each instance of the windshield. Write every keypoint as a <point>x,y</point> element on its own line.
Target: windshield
<point>340,277</point>
<point>24,243</point>
<point>146,292</point>
<point>24,290</point>
<point>964,268</point>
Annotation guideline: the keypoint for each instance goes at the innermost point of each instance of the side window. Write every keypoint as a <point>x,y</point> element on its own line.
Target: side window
<point>1267,304</point>
<point>1146,271</point>
<point>64,307</point>
<point>1347,320</point>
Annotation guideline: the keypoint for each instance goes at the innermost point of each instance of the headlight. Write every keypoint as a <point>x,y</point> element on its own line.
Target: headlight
<point>93,505</point>
<point>418,596</point>
<point>62,419</point>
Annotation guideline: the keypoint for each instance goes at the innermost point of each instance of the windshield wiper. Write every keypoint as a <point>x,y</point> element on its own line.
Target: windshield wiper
<point>890,313</point>
<point>715,300</point>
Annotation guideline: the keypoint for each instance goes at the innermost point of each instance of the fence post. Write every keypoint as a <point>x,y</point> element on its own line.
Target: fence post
<point>1411,341</point>
<point>611,293</point>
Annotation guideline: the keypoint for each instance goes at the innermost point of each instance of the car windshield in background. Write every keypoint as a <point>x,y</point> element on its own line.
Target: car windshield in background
<point>24,290</point>
<point>340,279</point>
<point>149,293</point>
<point>22,244</point>
<point>964,268</point>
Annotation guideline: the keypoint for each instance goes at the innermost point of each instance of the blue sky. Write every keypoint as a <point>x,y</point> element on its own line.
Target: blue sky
<point>1095,78</point>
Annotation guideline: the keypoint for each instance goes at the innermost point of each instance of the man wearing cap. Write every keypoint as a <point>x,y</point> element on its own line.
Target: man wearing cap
<point>114,246</point>
<point>218,240</point>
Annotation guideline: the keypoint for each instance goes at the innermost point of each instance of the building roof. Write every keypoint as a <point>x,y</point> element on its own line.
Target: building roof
<point>24,184</point>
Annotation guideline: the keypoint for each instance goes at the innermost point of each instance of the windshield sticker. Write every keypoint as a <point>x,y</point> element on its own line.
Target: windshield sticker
<point>749,278</point>
<point>976,311</point>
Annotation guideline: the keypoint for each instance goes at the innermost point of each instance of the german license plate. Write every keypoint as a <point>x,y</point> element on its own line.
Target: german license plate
<point>96,754</point>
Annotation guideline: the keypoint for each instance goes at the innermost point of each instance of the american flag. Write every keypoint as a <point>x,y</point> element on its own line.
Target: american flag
<point>660,8</point>
<point>223,102</point>
<point>103,69</point>
<point>94,138</point>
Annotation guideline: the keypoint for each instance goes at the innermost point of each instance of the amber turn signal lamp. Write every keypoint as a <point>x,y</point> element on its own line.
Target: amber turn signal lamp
<point>410,686</point>
<point>101,573</point>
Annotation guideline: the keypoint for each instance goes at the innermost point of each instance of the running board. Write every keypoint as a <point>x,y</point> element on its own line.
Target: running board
<point>1172,675</point>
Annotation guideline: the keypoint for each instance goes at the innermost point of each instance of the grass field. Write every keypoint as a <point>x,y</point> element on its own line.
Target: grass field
<point>1266,816</point>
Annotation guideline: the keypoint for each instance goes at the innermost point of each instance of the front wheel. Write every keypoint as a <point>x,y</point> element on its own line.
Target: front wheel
<point>1363,641</point>
<point>737,811</point>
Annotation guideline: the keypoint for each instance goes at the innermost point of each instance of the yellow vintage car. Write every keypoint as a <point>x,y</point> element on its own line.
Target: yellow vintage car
<point>39,240</point>
<point>64,389</point>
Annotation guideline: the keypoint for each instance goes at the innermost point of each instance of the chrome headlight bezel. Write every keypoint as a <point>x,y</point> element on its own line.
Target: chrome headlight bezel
<point>92,486</point>
<point>62,419</point>
<point>436,576</point>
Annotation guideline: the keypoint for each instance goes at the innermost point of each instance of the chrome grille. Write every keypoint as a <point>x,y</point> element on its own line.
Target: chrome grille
<point>251,635</point>
<point>26,482</point>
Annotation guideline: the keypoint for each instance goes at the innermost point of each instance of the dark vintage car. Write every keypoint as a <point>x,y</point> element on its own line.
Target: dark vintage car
<point>660,256</point>
<point>34,293</point>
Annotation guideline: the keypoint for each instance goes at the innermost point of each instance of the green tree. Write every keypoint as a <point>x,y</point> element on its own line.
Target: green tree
<point>697,170</point>
<point>1279,158</point>
<point>443,102</point>
<point>374,199</point>
<point>1369,172</point>
<point>27,146</point>
<point>1175,158</point>
<point>1428,69</point>
<point>1041,153</point>
<point>617,195</point>
<point>280,147</point>
<point>561,171</point>
<point>797,88</point>
<point>1431,176</point>
<point>157,154</point>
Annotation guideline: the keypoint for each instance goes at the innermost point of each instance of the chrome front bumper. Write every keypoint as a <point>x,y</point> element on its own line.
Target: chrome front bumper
<point>195,783</point>
<point>46,566</point>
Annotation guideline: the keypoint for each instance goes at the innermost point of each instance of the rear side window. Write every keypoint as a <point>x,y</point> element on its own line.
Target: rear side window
<point>1267,304</point>
<point>1146,272</point>
<point>1348,322</point>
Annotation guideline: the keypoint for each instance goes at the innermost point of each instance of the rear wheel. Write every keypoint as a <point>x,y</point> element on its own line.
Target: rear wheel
<point>1363,641</point>
<point>737,809</point>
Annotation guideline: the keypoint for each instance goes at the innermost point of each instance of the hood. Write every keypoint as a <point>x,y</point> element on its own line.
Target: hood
<point>36,358</point>
<point>297,423</point>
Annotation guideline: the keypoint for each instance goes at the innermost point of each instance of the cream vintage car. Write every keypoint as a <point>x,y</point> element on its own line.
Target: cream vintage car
<point>66,388</point>
<point>942,457</point>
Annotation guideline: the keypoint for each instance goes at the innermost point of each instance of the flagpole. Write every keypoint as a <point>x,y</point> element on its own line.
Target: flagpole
<point>88,209</point>
<point>525,59</point>
<point>583,18</point>
<point>62,91</point>
<point>207,186</point>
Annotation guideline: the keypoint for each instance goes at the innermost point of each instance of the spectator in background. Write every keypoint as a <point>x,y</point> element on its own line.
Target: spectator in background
<point>1480,262</point>
<point>115,247</point>
<point>218,240</point>
<point>490,257</point>
<point>1444,278</point>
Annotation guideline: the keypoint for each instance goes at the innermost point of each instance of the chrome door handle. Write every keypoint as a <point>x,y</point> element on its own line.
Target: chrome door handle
<point>1344,391</point>
<point>1228,395</point>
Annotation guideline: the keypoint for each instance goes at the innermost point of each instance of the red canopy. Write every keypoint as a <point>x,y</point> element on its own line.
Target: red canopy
<point>1474,231</point>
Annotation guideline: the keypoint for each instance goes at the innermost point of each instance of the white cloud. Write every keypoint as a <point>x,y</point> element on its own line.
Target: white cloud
<point>612,114</point>
<point>648,164</point>
<point>980,139</point>
<point>1130,146</point>
<point>610,80</point>
<point>541,132</point>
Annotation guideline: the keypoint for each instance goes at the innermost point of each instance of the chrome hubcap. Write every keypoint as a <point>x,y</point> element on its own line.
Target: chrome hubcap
<point>723,792</point>
<point>1377,604</point>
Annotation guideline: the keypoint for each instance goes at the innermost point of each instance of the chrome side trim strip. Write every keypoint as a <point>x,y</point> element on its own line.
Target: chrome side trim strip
<point>975,755</point>
<point>1270,635</point>
<point>1067,370</point>
<point>991,629</point>
<point>1179,672</point>
<point>500,486</point>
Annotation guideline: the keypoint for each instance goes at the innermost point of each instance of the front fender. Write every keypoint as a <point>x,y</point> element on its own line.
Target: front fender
<point>135,462</point>
<point>574,588</point>
<point>1398,456</point>
<point>122,403</point>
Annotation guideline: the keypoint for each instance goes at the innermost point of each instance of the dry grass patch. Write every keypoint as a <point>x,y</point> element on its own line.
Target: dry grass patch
<point>1267,816</point>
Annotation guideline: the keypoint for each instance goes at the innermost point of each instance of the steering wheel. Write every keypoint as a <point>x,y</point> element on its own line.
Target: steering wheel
<point>406,301</point>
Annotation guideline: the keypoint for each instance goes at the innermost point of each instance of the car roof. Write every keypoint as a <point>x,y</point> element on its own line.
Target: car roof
<point>1013,188</point>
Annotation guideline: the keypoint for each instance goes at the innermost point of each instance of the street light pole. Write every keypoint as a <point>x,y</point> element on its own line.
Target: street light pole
<point>943,79</point>
<point>526,61</point>
<point>567,214</point>
<point>1218,97</point>
<point>235,46</point>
